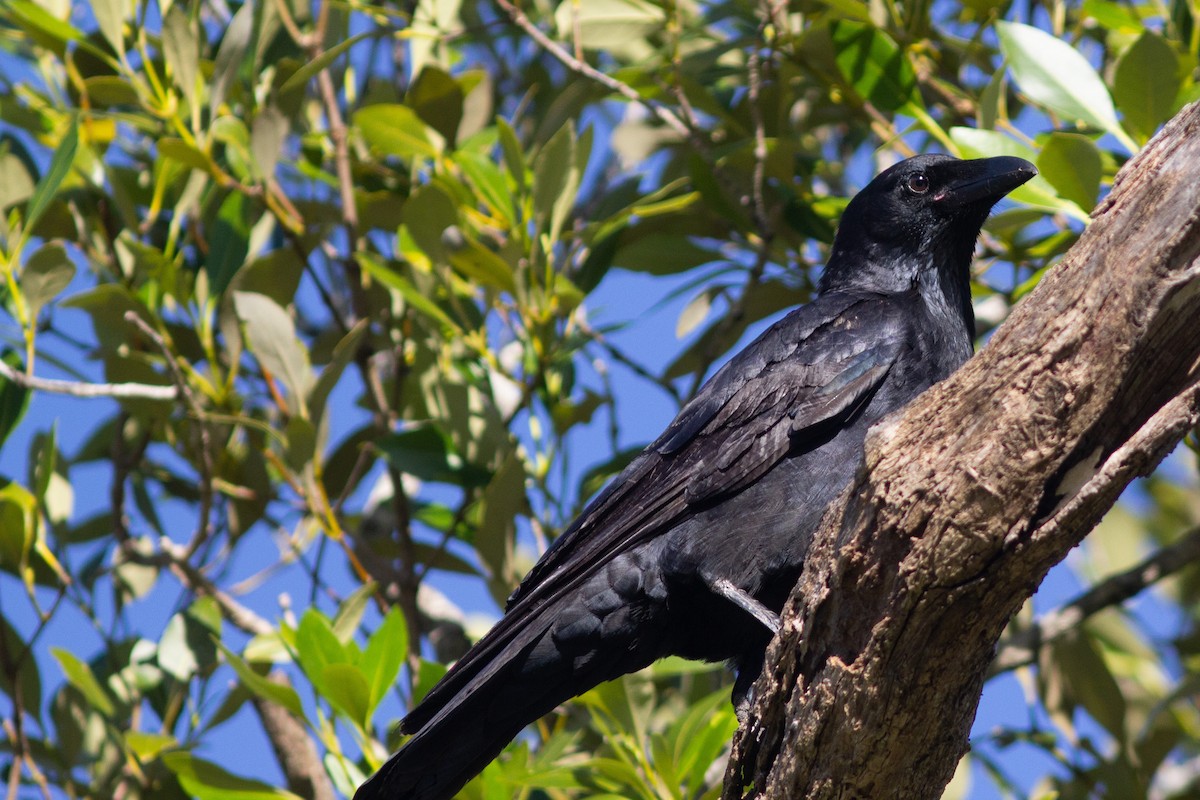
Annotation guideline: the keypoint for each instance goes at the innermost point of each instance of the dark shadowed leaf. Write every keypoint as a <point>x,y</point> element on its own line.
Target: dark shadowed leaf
<point>438,100</point>
<point>1146,82</point>
<point>1072,165</point>
<point>14,398</point>
<point>230,240</point>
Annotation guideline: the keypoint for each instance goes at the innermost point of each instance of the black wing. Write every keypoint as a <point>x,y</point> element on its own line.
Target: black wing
<point>813,368</point>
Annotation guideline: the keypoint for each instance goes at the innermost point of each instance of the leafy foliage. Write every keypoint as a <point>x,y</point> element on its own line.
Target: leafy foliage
<point>326,281</point>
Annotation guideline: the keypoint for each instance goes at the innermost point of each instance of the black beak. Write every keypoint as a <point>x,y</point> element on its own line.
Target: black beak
<point>984,179</point>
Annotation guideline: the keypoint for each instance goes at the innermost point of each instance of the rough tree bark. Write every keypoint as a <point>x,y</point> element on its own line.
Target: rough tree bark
<point>970,495</point>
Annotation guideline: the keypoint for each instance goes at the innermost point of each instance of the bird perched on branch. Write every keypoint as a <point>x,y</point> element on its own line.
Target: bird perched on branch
<point>693,549</point>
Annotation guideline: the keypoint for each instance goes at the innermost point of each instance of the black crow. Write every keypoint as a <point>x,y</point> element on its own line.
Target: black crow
<point>693,549</point>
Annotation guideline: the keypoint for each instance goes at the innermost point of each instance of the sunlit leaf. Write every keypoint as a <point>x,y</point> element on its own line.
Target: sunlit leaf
<point>82,678</point>
<point>258,684</point>
<point>47,187</point>
<point>207,781</point>
<point>384,655</point>
<point>1057,76</point>
<point>395,130</point>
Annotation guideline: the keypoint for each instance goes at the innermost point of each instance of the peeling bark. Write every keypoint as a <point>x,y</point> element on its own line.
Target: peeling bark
<point>973,492</point>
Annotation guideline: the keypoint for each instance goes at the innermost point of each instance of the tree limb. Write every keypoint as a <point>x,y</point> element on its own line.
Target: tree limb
<point>971,494</point>
<point>1022,648</point>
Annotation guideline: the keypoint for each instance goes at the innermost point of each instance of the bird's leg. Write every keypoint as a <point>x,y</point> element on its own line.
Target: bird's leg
<point>725,588</point>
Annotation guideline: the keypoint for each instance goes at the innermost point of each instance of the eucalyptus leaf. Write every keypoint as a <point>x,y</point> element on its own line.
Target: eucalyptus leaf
<point>1146,82</point>
<point>47,272</point>
<point>204,780</point>
<point>271,336</point>
<point>1057,76</point>
<point>395,130</point>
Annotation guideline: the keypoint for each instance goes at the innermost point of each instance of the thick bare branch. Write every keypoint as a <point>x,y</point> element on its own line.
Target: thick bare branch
<point>972,494</point>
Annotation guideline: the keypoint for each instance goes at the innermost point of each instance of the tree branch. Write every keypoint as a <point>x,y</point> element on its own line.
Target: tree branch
<point>1022,648</point>
<point>972,493</point>
<point>664,114</point>
<point>119,391</point>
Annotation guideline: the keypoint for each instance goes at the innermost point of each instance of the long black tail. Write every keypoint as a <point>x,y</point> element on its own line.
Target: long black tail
<point>539,655</point>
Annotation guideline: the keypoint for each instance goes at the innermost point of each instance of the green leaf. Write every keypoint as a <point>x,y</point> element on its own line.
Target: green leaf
<point>110,19</point>
<point>232,51</point>
<point>317,647</point>
<point>553,179</point>
<point>427,214</point>
<point>268,135</point>
<point>514,155</point>
<point>184,153</point>
<point>204,780</point>
<point>694,312</point>
<point>662,254</point>
<point>311,68</point>
<point>28,679</point>
<point>175,653</point>
<point>80,675</point>
<point>1146,82</point>
<point>14,398</point>
<point>1072,165</point>
<point>147,746</point>
<point>277,693</point>
<point>344,353</point>
<point>181,49</point>
<point>350,612</point>
<point>47,272</point>
<point>346,687</point>
<point>395,130</point>
<point>385,654</point>
<point>229,241</point>
<point>425,452</point>
<point>414,297</point>
<point>614,26</point>
<point>489,181</point>
<point>47,187</point>
<point>43,27</point>
<point>503,499</point>
<point>271,336</point>
<point>438,100</point>
<point>1055,75</point>
<point>482,266</point>
<point>874,65</point>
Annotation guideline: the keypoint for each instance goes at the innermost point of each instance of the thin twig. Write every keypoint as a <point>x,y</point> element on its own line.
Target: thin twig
<point>664,114</point>
<point>207,469</point>
<point>119,391</point>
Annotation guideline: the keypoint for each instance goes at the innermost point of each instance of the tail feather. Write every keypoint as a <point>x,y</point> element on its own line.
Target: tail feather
<point>460,739</point>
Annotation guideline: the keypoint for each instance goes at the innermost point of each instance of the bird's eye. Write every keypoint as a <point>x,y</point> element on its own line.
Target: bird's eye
<point>918,183</point>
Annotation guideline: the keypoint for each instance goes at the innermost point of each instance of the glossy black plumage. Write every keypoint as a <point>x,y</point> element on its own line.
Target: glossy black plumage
<point>723,504</point>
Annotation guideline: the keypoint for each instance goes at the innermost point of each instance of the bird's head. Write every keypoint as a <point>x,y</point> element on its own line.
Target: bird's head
<point>918,216</point>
